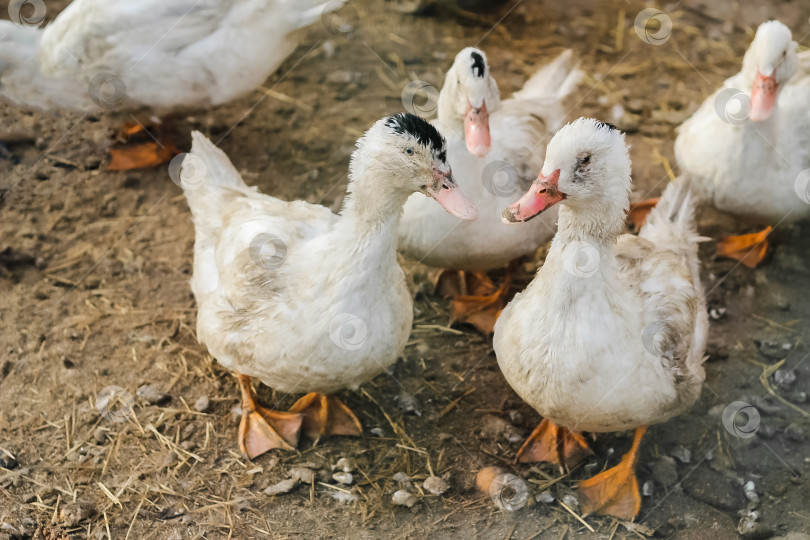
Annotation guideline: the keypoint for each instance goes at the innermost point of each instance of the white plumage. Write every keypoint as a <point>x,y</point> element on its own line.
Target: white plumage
<point>611,332</point>
<point>520,127</point>
<point>159,54</point>
<point>753,169</point>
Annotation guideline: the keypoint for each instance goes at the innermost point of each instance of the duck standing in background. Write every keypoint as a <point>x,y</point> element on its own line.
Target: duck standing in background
<point>754,163</point>
<point>495,147</point>
<point>301,298</point>
<point>158,56</point>
<point>610,334</point>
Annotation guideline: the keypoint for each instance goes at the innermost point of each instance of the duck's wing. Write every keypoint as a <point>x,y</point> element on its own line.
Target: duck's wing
<point>526,121</point>
<point>662,265</point>
<point>245,242</point>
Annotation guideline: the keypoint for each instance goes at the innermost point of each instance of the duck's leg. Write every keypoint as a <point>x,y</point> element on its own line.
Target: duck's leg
<point>553,444</point>
<point>479,302</point>
<point>749,249</point>
<point>615,491</point>
<point>638,212</point>
<point>326,415</point>
<point>143,146</point>
<point>261,429</point>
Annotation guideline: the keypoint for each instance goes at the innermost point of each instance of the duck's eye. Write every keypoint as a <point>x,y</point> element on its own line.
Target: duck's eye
<point>585,159</point>
<point>409,150</point>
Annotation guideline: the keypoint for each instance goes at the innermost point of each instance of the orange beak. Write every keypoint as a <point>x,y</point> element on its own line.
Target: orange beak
<point>763,97</point>
<point>541,196</point>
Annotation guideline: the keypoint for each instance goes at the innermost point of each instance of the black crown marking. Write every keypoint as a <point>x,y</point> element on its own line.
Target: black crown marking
<point>478,65</point>
<point>606,125</point>
<point>418,128</point>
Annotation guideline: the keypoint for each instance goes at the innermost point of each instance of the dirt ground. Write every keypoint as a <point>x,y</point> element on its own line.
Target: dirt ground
<point>94,293</point>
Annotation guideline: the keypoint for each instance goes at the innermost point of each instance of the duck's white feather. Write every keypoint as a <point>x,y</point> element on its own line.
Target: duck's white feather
<point>163,54</point>
<point>520,128</point>
<point>287,292</point>
<point>610,334</point>
<point>745,168</point>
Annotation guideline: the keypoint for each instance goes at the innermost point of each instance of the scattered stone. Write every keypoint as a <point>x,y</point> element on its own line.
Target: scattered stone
<point>750,491</point>
<point>648,488</point>
<point>342,496</point>
<point>285,486</point>
<point>404,498</point>
<point>100,435</point>
<point>72,514</point>
<point>188,445</point>
<point>202,404</point>
<point>435,485</point>
<point>770,349</point>
<point>714,489</point>
<point>749,528</point>
<point>516,417</point>
<point>409,404</point>
<point>571,501</point>
<point>496,428</point>
<point>236,414</point>
<point>784,378</point>
<point>544,497</point>
<point>665,472</point>
<point>682,454</point>
<point>377,432</point>
<point>346,464</point>
<point>343,477</point>
<point>153,395</point>
<point>795,433</point>
<point>717,313</point>
<point>402,479</point>
<point>302,474</point>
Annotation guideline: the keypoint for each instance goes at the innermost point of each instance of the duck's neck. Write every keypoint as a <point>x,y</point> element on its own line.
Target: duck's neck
<point>369,219</point>
<point>598,223</point>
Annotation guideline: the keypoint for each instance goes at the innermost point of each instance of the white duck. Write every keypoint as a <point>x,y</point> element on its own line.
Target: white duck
<point>161,55</point>
<point>754,163</point>
<point>301,298</point>
<point>495,148</point>
<point>610,334</point>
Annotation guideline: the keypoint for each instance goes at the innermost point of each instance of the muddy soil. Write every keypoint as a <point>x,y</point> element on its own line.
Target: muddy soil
<point>94,293</point>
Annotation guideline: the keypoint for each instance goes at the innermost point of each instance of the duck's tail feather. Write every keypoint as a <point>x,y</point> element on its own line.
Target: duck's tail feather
<point>203,168</point>
<point>672,221</point>
<point>556,79</point>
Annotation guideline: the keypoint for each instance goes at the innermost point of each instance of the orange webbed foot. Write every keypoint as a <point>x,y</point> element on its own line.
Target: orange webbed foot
<point>326,415</point>
<point>615,491</point>
<point>749,249</point>
<point>152,148</point>
<point>262,429</point>
<point>476,299</point>
<point>553,444</point>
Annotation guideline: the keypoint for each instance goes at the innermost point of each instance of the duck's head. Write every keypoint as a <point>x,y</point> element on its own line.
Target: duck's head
<point>769,63</point>
<point>404,154</point>
<point>587,166</point>
<point>468,97</point>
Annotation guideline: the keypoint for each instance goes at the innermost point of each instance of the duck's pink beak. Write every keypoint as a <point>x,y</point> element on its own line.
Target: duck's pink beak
<point>445,191</point>
<point>763,97</point>
<point>541,196</point>
<point>476,129</point>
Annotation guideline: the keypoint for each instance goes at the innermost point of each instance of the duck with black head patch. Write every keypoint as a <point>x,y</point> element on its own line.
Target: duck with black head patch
<point>495,147</point>
<point>300,298</point>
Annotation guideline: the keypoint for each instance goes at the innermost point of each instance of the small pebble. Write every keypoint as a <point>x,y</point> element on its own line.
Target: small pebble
<point>303,474</point>
<point>404,498</point>
<point>648,488</point>
<point>571,501</point>
<point>346,464</point>
<point>100,436</point>
<point>784,378</point>
<point>377,432</point>
<point>545,497</point>
<point>750,491</point>
<point>749,528</point>
<point>72,514</point>
<point>795,433</point>
<point>202,404</point>
<point>402,479</point>
<point>409,404</point>
<point>152,395</point>
<point>343,477</point>
<point>343,497</point>
<point>285,486</point>
<point>717,313</point>
<point>435,485</point>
